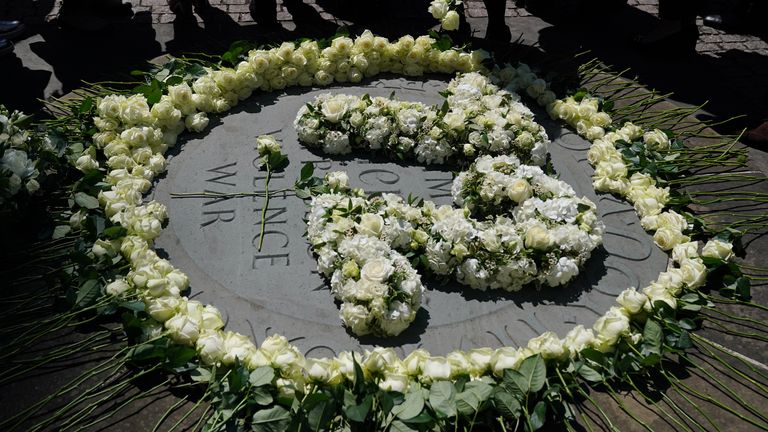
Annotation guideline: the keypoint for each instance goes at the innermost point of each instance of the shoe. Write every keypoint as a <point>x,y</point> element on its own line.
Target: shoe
<point>758,135</point>
<point>11,29</point>
<point>6,47</point>
<point>680,42</point>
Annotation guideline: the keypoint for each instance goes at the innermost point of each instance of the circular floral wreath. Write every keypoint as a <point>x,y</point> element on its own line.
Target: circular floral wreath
<point>134,133</point>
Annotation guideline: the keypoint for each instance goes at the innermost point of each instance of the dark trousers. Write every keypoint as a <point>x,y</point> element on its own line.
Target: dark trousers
<point>683,10</point>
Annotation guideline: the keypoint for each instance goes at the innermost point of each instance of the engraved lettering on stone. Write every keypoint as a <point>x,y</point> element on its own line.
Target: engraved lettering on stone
<point>273,259</point>
<point>439,187</point>
<point>381,175</point>
<point>225,215</point>
<point>257,237</point>
<point>270,215</point>
<point>223,174</point>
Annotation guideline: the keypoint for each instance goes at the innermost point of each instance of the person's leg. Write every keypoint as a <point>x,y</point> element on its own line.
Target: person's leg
<point>264,12</point>
<point>497,27</point>
<point>676,31</point>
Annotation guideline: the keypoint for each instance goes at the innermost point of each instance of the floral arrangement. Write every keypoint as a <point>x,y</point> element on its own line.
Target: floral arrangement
<point>273,385</point>
<point>542,240</point>
<point>477,118</point>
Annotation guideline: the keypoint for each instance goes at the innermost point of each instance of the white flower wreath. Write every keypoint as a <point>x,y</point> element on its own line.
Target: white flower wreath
<point>134,137</point>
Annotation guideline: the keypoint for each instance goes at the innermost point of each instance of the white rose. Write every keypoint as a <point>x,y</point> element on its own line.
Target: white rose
<point>394,382</point>
<point>450,21</point>
<point>86,163</point>
<point>508,358</point>
<point>548,345</point>
<point>377,270</point>
<point>455,120</point>
<point>685,250</point>
<point>656,140</point>
<point>537,237</point>
<point>414,361</point>
<point>338,180</point>
<point>480,360</point>
<point>196,122</point>
<point>438,9</point>
<point>718,249</point>
<point>436,368</point>
<point>370,224</point>
<point>694,272</point>
<point>334,109</point>
<point>356,317</point>
<point>658,292</point>
<point>519,191</point>
<point>266,144</point>
<point>32,186</point>
<point>210,318</point>
<point>183,329</point>
<point>117,287</point>
<point>668,238</point>
<point>610,327</point>
<point>671,280</point>
<point>578,338</point>
<point>163,308</point>
<point>632,300</point>
<point>210,346</point>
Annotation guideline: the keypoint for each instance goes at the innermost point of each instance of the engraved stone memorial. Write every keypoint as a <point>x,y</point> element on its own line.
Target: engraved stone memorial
<point>277,289</point>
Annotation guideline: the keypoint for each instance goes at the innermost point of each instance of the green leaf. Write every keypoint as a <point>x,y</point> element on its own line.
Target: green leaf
<point>261,376</point>
<point>261,395</point>
<point>411,406</point>
<point>307,170</point>
<point>302,194</point>
<point>652,337</point>
<point>89,291</point>
<point>398,426</point>
<point>61,231</point>
<point>590,374</point>
<point>275,419</point>
<point>86,105</point>
<point>539,415</point>
<point>84,200</point>
<point>506,404</point>
<point>514,383</point>
<point>319,410</point>
<point>200,375</point>
<point>442,398</point>
<point>135,306</point>
<point>115,232</point>
<point>534,371</point>
<point>359,412</point>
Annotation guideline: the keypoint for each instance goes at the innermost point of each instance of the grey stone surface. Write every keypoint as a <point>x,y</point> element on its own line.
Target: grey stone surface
<point>278,289</point>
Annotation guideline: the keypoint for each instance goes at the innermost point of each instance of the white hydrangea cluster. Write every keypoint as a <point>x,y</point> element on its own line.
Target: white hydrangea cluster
<point>556,230</point>
<point>18,168</point>
<point>380,292</point>
<point>477,118</point>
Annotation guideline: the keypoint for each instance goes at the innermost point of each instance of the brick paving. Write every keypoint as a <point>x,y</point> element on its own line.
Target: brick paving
<point>712,42</point>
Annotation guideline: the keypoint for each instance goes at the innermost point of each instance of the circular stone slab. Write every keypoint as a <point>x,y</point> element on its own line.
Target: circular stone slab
<point>278,290</point>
